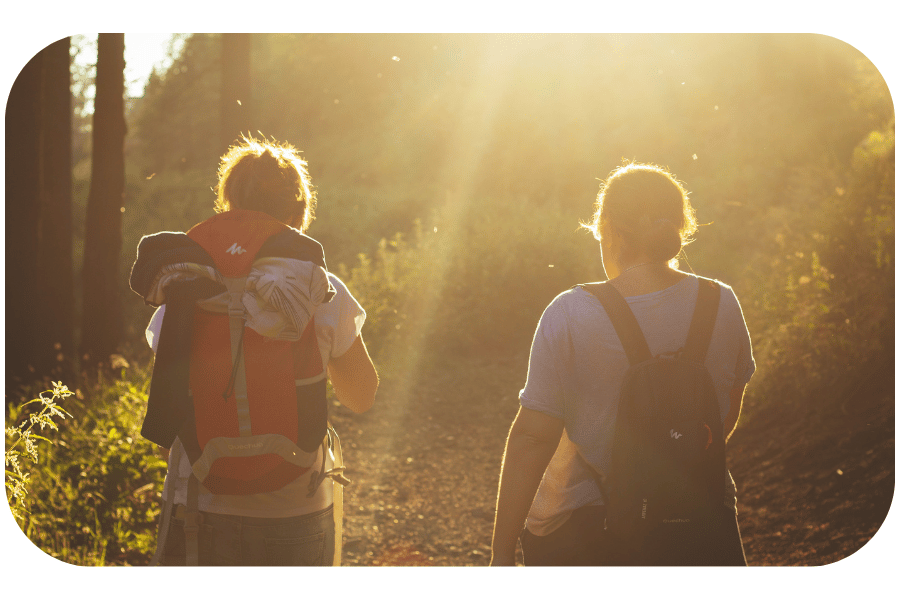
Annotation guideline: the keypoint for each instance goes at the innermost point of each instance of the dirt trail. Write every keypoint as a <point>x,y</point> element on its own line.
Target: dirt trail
<point>814,481</point>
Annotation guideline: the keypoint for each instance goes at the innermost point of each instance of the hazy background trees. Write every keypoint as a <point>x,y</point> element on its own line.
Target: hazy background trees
<point>237,94</point>
<point>56,286</point>
<point>101,329</point>
<point>39,267</point>
<point>480,154</point>
<point>23,192</point>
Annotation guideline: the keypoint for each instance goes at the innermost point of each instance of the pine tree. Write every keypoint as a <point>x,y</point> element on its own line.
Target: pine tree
<point>236,92</point>
<point>23,185</point>
<point>56,286</point>
<point>101,330</point>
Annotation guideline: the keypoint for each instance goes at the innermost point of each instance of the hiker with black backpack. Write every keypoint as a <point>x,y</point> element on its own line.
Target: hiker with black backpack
<point>249,328</point>
<point>617,453</point>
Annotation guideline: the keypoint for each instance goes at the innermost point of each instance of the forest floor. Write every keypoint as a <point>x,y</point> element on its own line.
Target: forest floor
<point>815,480</point>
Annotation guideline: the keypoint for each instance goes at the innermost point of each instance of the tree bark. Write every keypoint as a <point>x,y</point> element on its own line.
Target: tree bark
<point>236,110</point>
<point>56,285</point>
<point>101,330</point>
<point>23,185</point>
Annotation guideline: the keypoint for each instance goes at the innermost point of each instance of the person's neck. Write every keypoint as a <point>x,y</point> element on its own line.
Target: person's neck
<point>644,266</point>
<point>640,277</point>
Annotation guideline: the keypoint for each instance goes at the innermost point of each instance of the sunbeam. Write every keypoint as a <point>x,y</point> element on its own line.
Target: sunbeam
<point>467,148</point>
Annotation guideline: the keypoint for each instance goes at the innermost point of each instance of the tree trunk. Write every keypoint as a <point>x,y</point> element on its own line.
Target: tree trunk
<point>101,330</point>
<point>23,184</point>
<point>56,285</point>
<point>236,94</point>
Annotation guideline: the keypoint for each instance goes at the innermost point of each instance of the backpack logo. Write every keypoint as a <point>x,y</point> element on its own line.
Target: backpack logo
<point>235,249</point>
<point>674,434</point>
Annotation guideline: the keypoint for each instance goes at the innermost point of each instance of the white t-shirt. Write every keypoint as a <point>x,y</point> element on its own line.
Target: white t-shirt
<point>338,324</point>
<point>576,370</point>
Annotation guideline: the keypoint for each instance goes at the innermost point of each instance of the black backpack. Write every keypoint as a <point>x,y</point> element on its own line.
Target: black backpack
<point>665,490</point>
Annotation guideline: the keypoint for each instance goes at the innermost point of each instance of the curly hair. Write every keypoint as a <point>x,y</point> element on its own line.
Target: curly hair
<point>648,206</point>
<point>266,176</point>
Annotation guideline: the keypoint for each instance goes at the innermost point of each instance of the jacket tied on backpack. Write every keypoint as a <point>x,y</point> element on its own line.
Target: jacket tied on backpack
<point>238,376</point>
<point>278,296</point>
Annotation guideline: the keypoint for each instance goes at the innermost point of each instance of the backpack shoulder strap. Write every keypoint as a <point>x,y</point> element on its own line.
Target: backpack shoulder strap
<point>703,321</point>
<point>626,325</point>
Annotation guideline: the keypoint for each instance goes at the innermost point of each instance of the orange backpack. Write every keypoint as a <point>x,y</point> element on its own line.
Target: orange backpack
<point>259,403</point>
<point>238,377</point>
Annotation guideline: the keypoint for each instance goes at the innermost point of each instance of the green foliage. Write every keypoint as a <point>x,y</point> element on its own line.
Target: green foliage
<point>381,283</point>
<point>822,310</point>
<point>94,497</point>
<point>476,279</point>
<point>17,480</point>
<point>177,120</point>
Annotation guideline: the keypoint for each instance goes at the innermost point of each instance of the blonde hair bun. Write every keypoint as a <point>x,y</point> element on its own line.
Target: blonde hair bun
<point>649,207</point>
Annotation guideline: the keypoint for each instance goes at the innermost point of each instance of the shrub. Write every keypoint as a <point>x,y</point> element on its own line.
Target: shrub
<point>18,479</point>
<point>471,282</point>
<point>824,299</point>
<point>94,496</point>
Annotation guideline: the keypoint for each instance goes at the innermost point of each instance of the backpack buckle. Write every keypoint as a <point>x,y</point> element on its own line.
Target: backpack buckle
<point>192,522</point>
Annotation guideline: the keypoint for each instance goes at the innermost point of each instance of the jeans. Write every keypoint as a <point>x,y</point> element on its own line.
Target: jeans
<point>579,542</point>
<point>582,541</point>
<point>230,540</point>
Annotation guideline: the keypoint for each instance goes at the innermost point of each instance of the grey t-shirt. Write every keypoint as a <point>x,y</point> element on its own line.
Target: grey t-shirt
<point>576,369</point>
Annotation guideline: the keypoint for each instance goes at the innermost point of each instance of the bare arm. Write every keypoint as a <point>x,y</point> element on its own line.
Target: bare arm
<point>353,377</point>
<point>532,441</point>
<point>734,410</point>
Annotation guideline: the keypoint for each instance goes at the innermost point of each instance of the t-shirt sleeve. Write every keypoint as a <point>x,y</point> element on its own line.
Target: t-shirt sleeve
<point>543,389</point>
<point>154,327</point>
<point>746,365</point>
<point>339,322</point>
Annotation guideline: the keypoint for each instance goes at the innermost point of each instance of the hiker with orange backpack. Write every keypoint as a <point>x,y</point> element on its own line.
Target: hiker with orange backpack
<point>250,325</point>
<point>617,453</point>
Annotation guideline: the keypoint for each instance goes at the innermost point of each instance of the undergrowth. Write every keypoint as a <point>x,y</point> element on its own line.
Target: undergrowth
<point>822,309</point>
<point>93,495</point>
